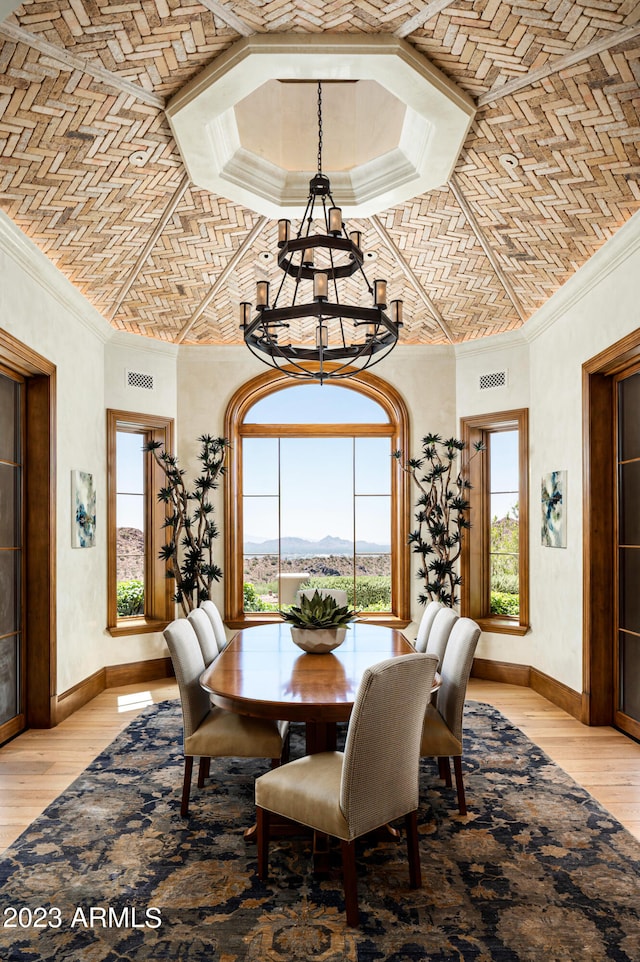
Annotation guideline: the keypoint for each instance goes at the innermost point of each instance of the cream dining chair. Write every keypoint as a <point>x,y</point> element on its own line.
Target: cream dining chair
<point>442,733</point>
<point>203,628</point>
<point>440,633</point>
<point>214,616</point>
<point>208,731</point>
<point>201,624</point>
<point>373,782</point>
<point>428,615</point>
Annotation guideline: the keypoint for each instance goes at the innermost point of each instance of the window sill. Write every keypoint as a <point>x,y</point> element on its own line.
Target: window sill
<point>136,626</point>
<point>501,626</point>
<point>266,618</point>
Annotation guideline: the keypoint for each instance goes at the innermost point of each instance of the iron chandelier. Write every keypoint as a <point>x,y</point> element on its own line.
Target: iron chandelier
<point>348,337</point>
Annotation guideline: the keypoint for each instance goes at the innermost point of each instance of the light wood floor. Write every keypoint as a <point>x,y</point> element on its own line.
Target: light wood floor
<point>38,765</point>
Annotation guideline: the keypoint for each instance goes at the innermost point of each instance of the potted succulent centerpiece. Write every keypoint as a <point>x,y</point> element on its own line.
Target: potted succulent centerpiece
<point>318,624</point>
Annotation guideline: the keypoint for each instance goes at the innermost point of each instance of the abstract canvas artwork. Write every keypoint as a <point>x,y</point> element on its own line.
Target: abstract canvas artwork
<point>554,526</point>
<point>83,510</point>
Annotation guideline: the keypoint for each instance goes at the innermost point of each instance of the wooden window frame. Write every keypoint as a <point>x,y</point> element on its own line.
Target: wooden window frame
<point>474,561</point>
<point>398,431</point>
<point>159,604</point>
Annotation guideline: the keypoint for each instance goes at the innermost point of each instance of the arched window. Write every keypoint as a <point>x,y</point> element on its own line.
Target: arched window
<point>314,498</point>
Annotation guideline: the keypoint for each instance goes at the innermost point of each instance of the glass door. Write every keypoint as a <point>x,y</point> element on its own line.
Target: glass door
<point>627,714</point>
<point>12,680</point>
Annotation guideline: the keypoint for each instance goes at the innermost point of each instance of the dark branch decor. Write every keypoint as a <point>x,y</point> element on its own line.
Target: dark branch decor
<point>189,552</point>
<point>442,516</point>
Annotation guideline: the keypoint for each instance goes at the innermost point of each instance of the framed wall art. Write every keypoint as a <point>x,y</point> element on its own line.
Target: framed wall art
<point>83,510</point>
<point>554,522</point>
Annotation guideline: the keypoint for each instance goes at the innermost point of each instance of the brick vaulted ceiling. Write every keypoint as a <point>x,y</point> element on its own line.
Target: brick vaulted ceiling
<point>549,170</point>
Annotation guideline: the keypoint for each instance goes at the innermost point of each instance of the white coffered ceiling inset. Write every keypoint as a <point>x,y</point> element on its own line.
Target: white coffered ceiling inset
<point>393,125</point>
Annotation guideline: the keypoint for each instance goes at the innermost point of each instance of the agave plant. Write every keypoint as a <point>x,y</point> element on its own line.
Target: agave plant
<point>318,612</point>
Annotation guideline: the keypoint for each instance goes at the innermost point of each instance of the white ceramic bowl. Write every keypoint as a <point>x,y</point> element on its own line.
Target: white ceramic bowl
<point>318,641</point>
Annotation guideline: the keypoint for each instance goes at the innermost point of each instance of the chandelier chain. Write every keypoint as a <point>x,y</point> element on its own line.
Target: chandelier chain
<point>348,337</point>
<point>319,127</point>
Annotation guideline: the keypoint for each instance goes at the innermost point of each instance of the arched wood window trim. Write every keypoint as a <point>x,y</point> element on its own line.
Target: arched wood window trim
<point>398,428</point>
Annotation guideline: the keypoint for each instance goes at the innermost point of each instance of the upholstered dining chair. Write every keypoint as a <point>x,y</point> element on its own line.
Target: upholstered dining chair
<point>373,782</point>
<point>214,616</point>
<point>428,615</point>
<point>442,734</point>
<point>208,731</point>
<point>338,595</point>
<point>201,624</point>
<point>440,632</point>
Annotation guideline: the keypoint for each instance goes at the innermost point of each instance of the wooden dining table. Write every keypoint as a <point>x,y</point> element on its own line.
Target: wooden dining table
<point>263,673</point>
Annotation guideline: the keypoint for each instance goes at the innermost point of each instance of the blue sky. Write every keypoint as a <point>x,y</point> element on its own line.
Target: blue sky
<point>130,479</point>
<point>504,472</point>
<point>318,476</point>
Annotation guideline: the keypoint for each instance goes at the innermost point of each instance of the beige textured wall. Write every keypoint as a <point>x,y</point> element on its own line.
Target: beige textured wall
<point>597,307</point>
<point>42,310</point>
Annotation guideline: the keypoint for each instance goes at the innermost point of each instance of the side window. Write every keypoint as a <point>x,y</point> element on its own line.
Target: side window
<point>139,596</point>
<point>495,551</point>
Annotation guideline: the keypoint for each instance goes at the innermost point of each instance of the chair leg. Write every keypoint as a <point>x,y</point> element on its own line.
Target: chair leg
<point>444,770</point>
<point>186,785</point>
<point>457,767</point>
<point>203,771</point>
<point>350,882</point>
<point>413,850</point>
<point>262,833</point>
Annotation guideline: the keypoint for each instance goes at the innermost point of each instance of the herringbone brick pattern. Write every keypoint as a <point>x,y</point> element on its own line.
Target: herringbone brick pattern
<point>452,265</point>
<point>90,171</point>
<point>158,44</point>
<point>578,177</point>
<point>334,16</point>
<point>193,249</point>
<point>482,44</point>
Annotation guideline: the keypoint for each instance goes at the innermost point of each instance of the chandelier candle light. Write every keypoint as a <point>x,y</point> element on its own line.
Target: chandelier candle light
<point>347,337</point>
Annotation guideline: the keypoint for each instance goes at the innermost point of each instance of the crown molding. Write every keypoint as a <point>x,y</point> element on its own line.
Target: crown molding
<point>16,245</point>
<point>141,344</point>
<point>489,345</point>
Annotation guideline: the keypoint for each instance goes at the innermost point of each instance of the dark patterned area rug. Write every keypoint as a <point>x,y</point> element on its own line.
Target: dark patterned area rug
<point>538,871</point>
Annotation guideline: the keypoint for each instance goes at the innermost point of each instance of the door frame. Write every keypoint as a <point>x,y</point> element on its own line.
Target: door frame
<point>40,527</point>
<point>17,723</point>
<point>625,723</point>
<point>598,500</point>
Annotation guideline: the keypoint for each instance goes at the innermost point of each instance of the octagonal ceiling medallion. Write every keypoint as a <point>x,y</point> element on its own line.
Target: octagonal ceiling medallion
<point>393,125</point>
